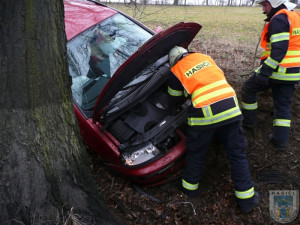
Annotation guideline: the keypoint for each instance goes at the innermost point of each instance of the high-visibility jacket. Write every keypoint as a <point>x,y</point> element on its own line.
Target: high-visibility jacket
<point>209,91</point>
<point>202,79</point>
<point>292,57</point>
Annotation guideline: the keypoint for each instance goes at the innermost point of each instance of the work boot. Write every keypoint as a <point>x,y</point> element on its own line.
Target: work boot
<point>189,193</point>
<point>246,205</point>
<point>279,146</point>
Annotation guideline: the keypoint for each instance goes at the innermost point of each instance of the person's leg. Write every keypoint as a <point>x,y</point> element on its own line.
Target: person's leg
<point>235,144</point>
<point>282,95</point>
<point>249,100</point>
<point>198,142</point>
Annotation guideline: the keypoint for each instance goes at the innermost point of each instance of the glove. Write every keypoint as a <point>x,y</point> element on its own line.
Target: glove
<point>261,79</point>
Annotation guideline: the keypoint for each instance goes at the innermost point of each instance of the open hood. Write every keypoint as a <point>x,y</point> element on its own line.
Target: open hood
<point>155,48</point>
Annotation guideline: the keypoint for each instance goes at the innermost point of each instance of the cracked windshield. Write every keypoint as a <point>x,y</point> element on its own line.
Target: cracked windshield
<point>97,53</point>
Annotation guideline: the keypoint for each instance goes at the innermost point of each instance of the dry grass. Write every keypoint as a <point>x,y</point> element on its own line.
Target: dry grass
<point>227,24</point>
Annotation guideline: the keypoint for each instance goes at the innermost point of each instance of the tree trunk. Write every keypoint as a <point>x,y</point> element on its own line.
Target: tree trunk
<point>44,173</point>
<point>176,2</point>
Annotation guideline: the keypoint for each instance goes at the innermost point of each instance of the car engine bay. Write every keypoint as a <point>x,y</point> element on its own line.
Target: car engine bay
<point>145,114</point>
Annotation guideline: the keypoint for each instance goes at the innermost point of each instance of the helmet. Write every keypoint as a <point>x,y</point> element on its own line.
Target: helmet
<point>289,5</point>
<point>174,53</point>
<point>274,3</point>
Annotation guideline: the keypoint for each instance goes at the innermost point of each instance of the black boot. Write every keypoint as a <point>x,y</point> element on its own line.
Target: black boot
<point>189,193</point>
<point>246,205</point>
<point>279,146</point>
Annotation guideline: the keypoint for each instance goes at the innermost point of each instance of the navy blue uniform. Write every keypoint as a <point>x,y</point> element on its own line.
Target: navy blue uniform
<point>199,137</point>
<point>282,90</point>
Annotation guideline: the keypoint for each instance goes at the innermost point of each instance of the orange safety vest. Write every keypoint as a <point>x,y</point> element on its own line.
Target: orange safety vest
<point>203,79</point>
<point>292,58</point>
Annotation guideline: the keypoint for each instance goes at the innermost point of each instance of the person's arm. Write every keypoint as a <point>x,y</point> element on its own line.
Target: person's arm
<point>279,34</point>
<point>175,90</point>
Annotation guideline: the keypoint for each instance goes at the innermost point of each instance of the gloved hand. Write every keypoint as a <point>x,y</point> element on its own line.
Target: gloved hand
<point>261,78</point>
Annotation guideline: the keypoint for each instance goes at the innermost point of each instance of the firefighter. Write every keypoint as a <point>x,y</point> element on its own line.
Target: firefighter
<point>213,112</point>
<point>279,69</point>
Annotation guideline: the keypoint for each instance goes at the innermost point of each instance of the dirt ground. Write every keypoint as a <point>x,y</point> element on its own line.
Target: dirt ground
<point>165,204</point>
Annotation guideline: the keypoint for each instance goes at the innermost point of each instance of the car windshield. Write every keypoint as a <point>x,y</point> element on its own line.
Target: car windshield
<point>95,55</point>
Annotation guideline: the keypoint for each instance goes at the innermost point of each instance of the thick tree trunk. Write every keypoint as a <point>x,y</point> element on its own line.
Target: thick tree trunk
<point>44,174</point>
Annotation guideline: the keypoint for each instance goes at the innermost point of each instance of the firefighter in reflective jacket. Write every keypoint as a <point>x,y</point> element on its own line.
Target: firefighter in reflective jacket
<point>279,70</point>
<point>214,112</point>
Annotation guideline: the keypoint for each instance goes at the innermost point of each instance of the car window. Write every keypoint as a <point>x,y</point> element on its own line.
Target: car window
<point>98,52</point>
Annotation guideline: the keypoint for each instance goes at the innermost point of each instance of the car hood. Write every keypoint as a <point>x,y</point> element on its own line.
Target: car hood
<point>155,48</point>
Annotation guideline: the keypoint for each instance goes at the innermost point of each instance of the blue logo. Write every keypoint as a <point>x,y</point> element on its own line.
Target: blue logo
<point>284,205</point>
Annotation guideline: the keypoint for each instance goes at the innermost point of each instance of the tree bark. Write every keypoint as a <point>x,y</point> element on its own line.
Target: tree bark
<point>44,174</point>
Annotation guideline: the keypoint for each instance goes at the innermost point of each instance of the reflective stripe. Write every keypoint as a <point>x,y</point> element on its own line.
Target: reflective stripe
<point>284,36</point>
<point>282,123</point>
<point>188,186</point>
<point>235,101</point>
<point>208,87</point>
<point>266,54</point>
<point>210,95</point>
<point>248,106</point>
<point>291,60</point>
<point>207,111</point>
<point>281,70</point>
<point>258,69</point>
<point>228,114</point>
<point>271,63</point>
<point>291,53</point>
<point>282,76</point>
<point>174,92</point>
<point>245,194</point>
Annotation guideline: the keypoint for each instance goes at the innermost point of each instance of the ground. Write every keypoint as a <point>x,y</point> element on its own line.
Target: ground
<point>165,204</point>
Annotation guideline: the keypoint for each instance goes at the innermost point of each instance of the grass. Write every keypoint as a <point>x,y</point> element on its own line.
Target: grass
<point>226,24</point>
<point>230,35</point>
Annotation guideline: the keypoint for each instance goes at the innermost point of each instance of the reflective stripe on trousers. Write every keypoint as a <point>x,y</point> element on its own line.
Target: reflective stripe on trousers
<point>281,123</point>
<point>198,143</point>
<point>244,194</point>
<point>248,106</point>
<point>189,186</point>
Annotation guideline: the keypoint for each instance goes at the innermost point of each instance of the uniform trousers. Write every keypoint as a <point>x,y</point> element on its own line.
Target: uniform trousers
<point>281,93</point>
<point>232,138</point>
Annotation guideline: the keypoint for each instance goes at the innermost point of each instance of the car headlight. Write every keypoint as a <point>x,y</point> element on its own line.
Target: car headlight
<point>140,155</point>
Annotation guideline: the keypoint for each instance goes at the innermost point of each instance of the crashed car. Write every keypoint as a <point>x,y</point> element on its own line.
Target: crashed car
<point>119,71</point>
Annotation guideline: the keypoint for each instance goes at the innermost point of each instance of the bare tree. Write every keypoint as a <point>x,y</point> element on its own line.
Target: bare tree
<point>44,174</point>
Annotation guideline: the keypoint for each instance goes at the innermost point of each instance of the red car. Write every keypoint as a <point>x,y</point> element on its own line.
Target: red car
<point>119,69</point>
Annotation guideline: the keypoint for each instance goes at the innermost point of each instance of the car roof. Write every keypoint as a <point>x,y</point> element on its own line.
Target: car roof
<point>82,14</point>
